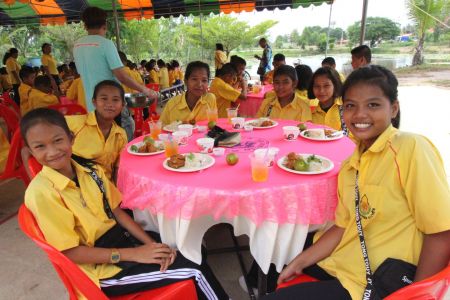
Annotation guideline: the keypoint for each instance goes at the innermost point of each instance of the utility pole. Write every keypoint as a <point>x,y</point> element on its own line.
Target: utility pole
<point>116,24</point>
<point>363,22</point>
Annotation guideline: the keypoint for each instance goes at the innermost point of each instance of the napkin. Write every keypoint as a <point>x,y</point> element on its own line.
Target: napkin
<point>223,138</point>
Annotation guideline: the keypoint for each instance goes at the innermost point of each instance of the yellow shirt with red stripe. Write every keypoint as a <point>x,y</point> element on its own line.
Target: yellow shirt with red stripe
<point>38,99</point>
<point>225,94</point>
<point>404,194</point>
<point>56,203</point>
<point>296,110</point>
<point>90,143</point>
<point>4,150</point>
<point>24,93</point>
<point>331,118</point>
<point>76,92</point>
<point>12,65</point>
<point>177,109</point>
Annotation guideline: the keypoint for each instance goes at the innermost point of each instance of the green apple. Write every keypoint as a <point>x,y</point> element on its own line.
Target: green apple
<point>301,165</point>
<point>149,140</point>
<point>232,159</point>
<point>211,124</point>
<point>302,126</point>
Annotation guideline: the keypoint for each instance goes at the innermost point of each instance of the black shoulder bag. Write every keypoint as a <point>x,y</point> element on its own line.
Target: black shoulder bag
<point>393,274</point>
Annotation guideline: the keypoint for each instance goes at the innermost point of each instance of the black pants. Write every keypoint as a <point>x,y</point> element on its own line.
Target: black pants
<point>16,94</point>
<point>142,277</point>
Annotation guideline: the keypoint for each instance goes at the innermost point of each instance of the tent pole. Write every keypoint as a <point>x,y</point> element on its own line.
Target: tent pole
<point>201,32</point>
<point>328,30</point>
<point>116,24</point>
<point>363,22</point>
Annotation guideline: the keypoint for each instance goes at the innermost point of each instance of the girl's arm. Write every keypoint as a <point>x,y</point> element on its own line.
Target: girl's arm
<point>318,251</point>
<point>435,254</point>
<point>131,226</point>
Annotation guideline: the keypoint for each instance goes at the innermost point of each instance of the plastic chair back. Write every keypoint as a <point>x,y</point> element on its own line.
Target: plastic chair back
<point>299,279</point>
<point>76,280</point>
<point>11,119</point>
<point>69,109</point>
<point>14,166</point>
<point>153,86</point>
<point>6,100</point>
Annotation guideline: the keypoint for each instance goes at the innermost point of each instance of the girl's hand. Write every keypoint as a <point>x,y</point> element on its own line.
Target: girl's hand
<point>155,253</point>
<point>168,261</point>
<point>290,272</point>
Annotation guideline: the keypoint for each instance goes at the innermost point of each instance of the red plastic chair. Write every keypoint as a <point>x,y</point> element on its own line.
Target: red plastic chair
<point>76,280</point>
<point>69,109</point>
<point>152,109</point>
<point>299,279</point>
<point>14,166</point>
<point>6,100</point>
<point>11,119</point>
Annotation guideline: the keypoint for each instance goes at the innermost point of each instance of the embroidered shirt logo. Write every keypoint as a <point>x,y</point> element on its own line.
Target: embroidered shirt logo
<point>365,210</point>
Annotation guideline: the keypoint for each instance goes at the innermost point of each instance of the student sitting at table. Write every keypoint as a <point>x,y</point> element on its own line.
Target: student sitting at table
<point>326,87</point>
<point>152,73</point>
<point>304,75</point>
<point>4,150</point>
<point>278,61</point>
<point>239,64</point>
<point>42,93</point>
<point>171,72</point>
<point>27,75</point>
<point>76,89</point>
<point>393,202</point>
<point>96,135</point>
<point>331,63</point>
<point>123,58</point>
<point>163,75</point>
<point>135,73</point>
<point>78,211</point>
<point>177,73</point>
<point>222,88</point>
<point>284,103</point>
<point>191,106</point>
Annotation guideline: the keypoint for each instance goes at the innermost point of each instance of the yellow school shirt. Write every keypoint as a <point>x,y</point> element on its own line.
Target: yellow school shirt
<point>220,58</point>
<point>90,143</point>
<point>24,93</point>
<point>4,150</point>
<point>49,61</point>
<point>404,195</point>
<point>126,88</point>
<point>12,65</point>
<point>153,76</point>
<point>163,78</point>
<point>5,82</point>
<point>56,203</point>
<point>76,92</point>
<point>331,118</point>
<point>342,77</point>
<point>137,76</point>
<point>38,99</point>
<point>268,77</point>
<point>177,109</point>
<point>297,110</point>
<point>171,77</point>
<point>178,74</point>
<point>225,94</point>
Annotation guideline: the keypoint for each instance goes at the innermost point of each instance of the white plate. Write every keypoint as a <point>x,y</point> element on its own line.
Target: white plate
<point>145,154</point>
<point>338,135</point>
<point>327,165</point>
<point>171,128</point>
<point>208,161</point>
<point>255,123</point>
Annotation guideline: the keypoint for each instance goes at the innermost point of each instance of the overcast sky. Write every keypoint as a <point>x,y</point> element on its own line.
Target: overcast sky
<point>344,13</point>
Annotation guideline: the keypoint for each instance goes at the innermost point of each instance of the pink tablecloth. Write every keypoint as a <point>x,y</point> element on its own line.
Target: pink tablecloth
<point>228,191</point>
<point>250,106</point>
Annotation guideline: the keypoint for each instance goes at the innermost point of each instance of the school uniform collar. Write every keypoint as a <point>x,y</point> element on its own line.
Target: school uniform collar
<point>295,103</point>
<point>337,102</point>
<point>59,180</point>
<point>91,120</point>
<point>182,104</point>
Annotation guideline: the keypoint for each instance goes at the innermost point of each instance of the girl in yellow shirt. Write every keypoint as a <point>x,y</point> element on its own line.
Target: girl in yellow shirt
<point>152,73</point>
<point>403,199</point>
<point>284,103</point>
<point>304,75</point>
<point>191,106</point>
<point>78,211</point>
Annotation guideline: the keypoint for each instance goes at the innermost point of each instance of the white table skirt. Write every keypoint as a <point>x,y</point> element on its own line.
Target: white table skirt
<point>269,242</point>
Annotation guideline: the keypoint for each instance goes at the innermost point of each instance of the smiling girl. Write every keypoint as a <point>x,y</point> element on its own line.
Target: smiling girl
<point>284,103</point>
<point>191,106</point>
<point>404,199</point>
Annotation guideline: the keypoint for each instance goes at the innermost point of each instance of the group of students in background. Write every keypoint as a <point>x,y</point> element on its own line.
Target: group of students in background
<point>366,106</point>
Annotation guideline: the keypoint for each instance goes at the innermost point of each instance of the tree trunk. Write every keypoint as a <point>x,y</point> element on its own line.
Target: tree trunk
<point>418,54</point>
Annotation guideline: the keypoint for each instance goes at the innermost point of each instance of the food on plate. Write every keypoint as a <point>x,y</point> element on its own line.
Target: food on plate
<point>149,146</point>
<point>316,134</point>
<point>331,133</point>
<point>302,126</point>
<point>266,123</point>
<point>232,159</point>
<point>176,161</point>
<point>172,126</point>
<point>192,122</point>
<point>301,163</point>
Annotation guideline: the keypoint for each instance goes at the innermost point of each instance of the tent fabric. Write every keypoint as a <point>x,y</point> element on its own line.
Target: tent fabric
<point>61,11</point>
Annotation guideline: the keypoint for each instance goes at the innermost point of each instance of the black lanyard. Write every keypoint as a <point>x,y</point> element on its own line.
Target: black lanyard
<point>341,116</point>
<point>99,182</point>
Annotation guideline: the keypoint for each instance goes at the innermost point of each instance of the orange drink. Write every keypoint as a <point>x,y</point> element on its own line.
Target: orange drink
<point>171,147</point>
<point>212,114</point>
<point>155,129</point>
<point>260,168</point>
<point>231,113</point>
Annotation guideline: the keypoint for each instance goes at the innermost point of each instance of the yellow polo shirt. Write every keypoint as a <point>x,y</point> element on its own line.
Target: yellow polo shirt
<point>225,94</point>
<point>163,78</point>
<point>404,195</point>
<point>153,76</point>
<point>24,93</point>
<point>296,110</point>
<point>76,92</point>
<point>49,61</point>
<point>178,74</point>
<point>171,77</point>
<point>90,143</point>
<point>177,109</point>
<point>55,202</point>
<point>5,82</point>
<point>268,77</point>
<point>137,76</point>
<point>126,88</point>
<point>38,99</point>
<point>331,118</point>
<point>220,58</point>
<point>4,150</point>
<point>12,65</point>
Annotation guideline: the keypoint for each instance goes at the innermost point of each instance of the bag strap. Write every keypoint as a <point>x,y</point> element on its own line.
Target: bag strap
<point>341,116</point>
<point>269,110</point>
<point>101,186</point>
<point>369,291</point>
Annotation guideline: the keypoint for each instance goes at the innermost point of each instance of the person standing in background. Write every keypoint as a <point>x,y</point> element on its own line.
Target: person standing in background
<point>13,68</point>
<point>49,64</point>
<point>220,57</point>
<point>265,60</point>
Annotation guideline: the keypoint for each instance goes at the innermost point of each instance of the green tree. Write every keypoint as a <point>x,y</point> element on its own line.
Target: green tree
<point>423,14</point>
<point>63,38</point>
<point>376,28</point>
<point>139,39</point>
<point>24,38</point>
<point>294,37</point>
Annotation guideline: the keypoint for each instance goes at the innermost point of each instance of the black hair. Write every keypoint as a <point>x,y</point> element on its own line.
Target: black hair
<point>36,70</point>
<point>286,70</point>
<point>143,62</point>
<point>331,74</point>
<point>3,71</point>
<point>262,40</point>
<point>42,81</point>
<point>73,66</point>
<point>362,51</point>
<point>8,54</point>
<point>112,83</point>
<point>219,46</point>
<point>378,76</point>
<point>161,63</point>
<point>329,61</point>
<point>44,45</point>
<point>170,66</point>
<point>279,57</point>
<point>304,75</point>
<point>123,57</point>
<point>150,65</point>
<point>59,68</point>
<point>195,65</point>
<point>237,60</point>
<point>227,69</point>
<point>25,72</point>
<point>175,64</point>
<point>94,17</point>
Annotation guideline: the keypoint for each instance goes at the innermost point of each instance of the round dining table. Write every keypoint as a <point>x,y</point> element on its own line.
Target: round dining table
<point>249,107</point>
<point>276,214</point>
